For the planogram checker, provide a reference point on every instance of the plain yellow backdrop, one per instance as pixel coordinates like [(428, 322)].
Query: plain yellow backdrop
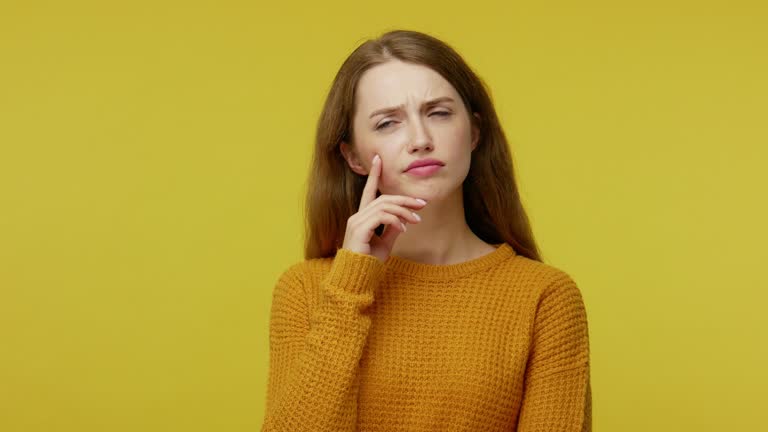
[(152, 165)]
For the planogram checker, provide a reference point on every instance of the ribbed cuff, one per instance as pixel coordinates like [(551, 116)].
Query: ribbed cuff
[(355, 272)]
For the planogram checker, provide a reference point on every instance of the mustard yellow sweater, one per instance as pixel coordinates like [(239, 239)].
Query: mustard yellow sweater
[(497, 343)]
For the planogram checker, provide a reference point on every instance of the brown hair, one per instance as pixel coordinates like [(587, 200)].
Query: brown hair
[(492, 205)]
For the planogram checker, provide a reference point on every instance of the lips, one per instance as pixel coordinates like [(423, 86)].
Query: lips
[(424, 162)]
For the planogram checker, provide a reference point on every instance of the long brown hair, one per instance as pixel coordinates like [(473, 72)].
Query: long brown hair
[(492, 205)]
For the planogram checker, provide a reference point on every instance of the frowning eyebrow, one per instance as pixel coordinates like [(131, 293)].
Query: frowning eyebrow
[(426, 104)]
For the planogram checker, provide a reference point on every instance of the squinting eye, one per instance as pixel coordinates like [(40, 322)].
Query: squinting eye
[(388, 122)]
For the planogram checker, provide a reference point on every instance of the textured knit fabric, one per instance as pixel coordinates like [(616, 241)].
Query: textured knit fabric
[(496, 343)]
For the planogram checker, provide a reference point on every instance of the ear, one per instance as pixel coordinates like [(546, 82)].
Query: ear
[(352, 160), (475, 131)]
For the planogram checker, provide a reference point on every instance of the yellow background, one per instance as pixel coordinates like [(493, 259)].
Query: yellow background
[(152, 166)]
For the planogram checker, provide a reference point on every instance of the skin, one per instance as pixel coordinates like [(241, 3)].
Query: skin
[(416, 131)]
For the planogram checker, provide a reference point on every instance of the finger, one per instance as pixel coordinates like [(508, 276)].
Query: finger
[(371, 184), (405, 201), (388, 220), (405, 213), (390, 234), (366, 227), (403, 206)]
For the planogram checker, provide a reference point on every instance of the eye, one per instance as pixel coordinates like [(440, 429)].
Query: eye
[(386, 124), (442, 113)]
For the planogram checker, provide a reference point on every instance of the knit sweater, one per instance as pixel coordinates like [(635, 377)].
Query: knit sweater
[(496, 343)]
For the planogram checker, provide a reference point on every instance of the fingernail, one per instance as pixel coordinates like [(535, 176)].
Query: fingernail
[(404, 228), (418, 218), (421, 200), (376, 158)]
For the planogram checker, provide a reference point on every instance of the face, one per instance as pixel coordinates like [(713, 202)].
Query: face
[(406, 112)]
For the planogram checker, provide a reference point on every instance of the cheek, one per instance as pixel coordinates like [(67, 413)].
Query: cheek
[(366, 154), (456, 132), (388, 178)]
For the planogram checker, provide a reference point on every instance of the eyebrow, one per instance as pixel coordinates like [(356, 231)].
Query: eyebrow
[(427, 103)]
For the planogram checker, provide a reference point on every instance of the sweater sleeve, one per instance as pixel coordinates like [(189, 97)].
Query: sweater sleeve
[(314, 356), (557, 395)]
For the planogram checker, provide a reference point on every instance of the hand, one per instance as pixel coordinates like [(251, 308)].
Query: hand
[(391, 210)]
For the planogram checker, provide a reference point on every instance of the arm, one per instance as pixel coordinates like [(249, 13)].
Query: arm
[(557, 395), (312, 383)]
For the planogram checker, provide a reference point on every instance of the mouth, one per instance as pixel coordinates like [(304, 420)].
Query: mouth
[(424, 170), (424, 162)]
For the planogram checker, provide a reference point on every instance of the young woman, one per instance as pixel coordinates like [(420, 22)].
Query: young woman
[(422, 303)]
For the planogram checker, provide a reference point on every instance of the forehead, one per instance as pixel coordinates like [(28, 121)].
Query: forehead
[(396, 82)]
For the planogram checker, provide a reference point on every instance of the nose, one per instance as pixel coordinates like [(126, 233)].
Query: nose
[(420, 138)]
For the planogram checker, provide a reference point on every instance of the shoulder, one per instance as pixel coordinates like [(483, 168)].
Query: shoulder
[(546, 279), (300, 274)]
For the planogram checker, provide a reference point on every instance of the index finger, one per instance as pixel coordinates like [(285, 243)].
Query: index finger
[(371, 184)]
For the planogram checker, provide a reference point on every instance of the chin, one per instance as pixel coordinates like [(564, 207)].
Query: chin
[(428, 189), (426, 192)]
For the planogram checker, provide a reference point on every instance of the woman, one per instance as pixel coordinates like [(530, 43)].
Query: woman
[(422, 304)]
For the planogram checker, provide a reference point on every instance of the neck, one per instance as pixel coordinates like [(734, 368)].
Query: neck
[(442, 236)]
